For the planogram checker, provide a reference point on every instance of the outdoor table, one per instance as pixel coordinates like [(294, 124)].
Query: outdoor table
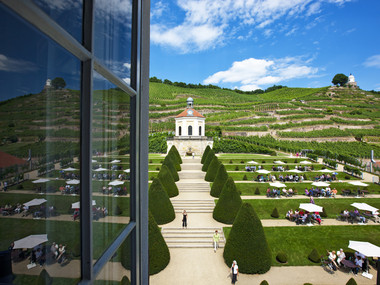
[(348, 263), (364, 192), (346, 192)]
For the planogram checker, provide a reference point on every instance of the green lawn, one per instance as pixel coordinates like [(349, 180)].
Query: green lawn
[(298, 242), (333, 207), (250, 188), (268, 166), (239, 175)]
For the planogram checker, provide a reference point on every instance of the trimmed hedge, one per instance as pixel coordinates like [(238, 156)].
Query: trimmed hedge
[(172, 169), (212, 170), (219, 181), (228, 204), (176, 154), (351, 282), (205, 153), (247, 243), (275, 213), (171, 158), (264, 282), (125, 281), (160, 204), (208, 160), (281, 257), (44, 278), (167, 181), (159, 255), (314, 256)]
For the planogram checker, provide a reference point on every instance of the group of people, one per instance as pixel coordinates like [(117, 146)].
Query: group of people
[(69, 189), (277, 193), (352, 216), (303, 217), (58, 252), (117, 191), (321, 192), (325, 177), (68, 175), (37, 211), (335, 261)]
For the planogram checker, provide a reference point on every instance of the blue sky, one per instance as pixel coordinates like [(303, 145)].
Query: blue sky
[(250, 44)]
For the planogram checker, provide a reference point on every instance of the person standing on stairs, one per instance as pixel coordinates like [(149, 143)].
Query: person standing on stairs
[(216, 238), (184, 219)]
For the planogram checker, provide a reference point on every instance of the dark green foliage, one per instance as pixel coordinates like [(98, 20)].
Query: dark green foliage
[(159, 255), (169, 164), (264, 282), (208, 160), (205, 153), (159, 203), (274, 213), (175, 153), (212, 170), (307, 284), (58, 83), (281, 257), (44, 278), (76, 249), (324, 213), (247, 243), (257, 191), (340, 79), (125, 281), (167, 181), (219, 181), (230, 161), (237, 168), (245, 177), (314, 256), (117, 211), (157, 168), (351, 282), (171, 159), (228, 204)]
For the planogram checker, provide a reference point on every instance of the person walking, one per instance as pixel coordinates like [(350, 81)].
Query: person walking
[(216, 238), (184, 219), (235, 271)]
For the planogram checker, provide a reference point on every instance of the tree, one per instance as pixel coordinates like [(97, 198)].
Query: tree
[(159, 203), (175, 154), (167, 181), (340, 79), (219, 181), (212, 170), (209, 158), (58, 83), (228, 204), (205, 153), (247, 243)]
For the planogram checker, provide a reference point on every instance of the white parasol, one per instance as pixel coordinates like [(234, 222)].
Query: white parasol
[(358, 183), (320, 184), (311, 207), (252, 162), (116, 182), (101, 169), (30, 241), (278, 185), (42, 180), (263, 171), (366, 248), (93, 160), (69, 169), (305, 162), (326, 170), (76, 205), (279, 162), (35, 202), (73, 182), (127, 170), (115, 161), (295, 171), (364, 207)]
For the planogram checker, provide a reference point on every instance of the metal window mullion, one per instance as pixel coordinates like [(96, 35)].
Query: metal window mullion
[(86, 149)]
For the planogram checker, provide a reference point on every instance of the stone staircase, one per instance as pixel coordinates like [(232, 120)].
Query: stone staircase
[(193, 187), (193, 206), (191, 237)]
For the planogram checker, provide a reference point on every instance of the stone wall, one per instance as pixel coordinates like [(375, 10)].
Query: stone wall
[(197, 146)]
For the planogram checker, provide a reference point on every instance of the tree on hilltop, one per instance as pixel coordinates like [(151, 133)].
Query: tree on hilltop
[(340, 79), (58, 83)]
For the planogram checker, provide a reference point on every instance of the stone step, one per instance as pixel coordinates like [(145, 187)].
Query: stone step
[(192, 201), (193, 210), (188, 236), (193, 245), (191, 230), (195, 190)]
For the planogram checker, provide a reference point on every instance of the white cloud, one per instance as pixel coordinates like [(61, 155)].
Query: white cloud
[(253, 73), (127, 65), (127, 80), (291, 32), (373, 61), (208, 23), (15, 65)]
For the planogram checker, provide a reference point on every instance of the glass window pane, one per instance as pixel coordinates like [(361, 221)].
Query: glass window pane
[(111, 162), (39, 131), (113, 22), (67, 13)]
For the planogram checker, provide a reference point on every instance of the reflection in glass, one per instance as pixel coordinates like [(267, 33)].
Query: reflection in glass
[(113, 35), (111, 163), (67, 13), (39, 132)]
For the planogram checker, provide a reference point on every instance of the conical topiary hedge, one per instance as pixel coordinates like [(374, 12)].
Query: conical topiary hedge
[(314, 256), (125, 281), (247, 243), (44, 278), (205, 153), (171, 158), (212, 170), (208, 160), (160, 204), (219, 181), (228, 204), (159, 255), (167, 181), (172, 169), (176, 154), (351, 281)]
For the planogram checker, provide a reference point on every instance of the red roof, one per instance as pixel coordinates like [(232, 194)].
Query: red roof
[(7, 160), (190, 112)]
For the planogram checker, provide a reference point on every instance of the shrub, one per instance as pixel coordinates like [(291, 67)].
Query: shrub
[(264, 282), (307, 284), (168, 182), (219, 181), (237, 168), (246, 242), (150, 161), (125, 281), (152, 177), (323, 214), (159, 255), (241, 161), (263, 161), (347, 177), (245, 177), (172, 169), (159, 203), (281, 257), (44, 278), (205, 153), (212, 169), (208, 160), (351, 282), (76, 249), (173, 150), (170, 158), (20, 186), (257, 191), (230, 161), (157, 168), (228, 204), (314, 256), (117, 211), (275, 213)]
